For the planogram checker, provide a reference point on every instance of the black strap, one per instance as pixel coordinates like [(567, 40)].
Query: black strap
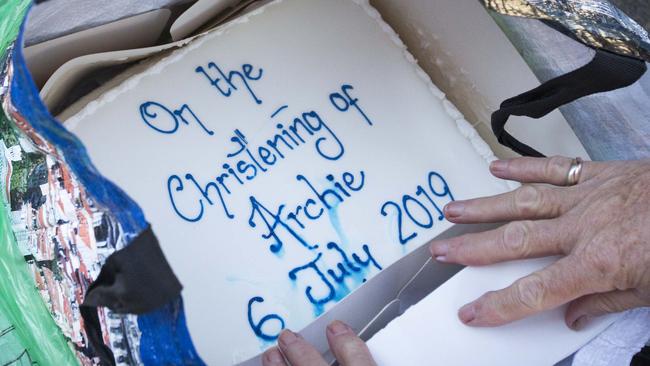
[(134, 280), (606, 71)]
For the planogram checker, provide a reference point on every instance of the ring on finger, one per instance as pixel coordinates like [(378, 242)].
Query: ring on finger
[(573, 176)]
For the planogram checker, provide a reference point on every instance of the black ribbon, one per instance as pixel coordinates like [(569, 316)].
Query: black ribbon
[(134, 280), (605, 72)]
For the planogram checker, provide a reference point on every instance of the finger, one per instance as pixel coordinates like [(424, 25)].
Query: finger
[(557, 284), (527, 202), (273, 357), (541, 170), (515, 240), (582, 310), (297, 351), (349, 349)]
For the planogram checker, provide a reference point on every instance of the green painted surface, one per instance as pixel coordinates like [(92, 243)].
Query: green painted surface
[(11, 15), (28, 334)]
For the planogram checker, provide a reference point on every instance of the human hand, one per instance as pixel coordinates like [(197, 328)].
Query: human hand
[(600, 227), (293, 350)]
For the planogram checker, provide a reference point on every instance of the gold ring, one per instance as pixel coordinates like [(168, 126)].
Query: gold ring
[(573, 176)]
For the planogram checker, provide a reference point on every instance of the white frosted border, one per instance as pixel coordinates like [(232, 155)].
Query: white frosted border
[(159, 66), (464, 127)]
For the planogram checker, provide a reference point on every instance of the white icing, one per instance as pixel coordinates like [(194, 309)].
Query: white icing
[(482, 148), (411, 130)]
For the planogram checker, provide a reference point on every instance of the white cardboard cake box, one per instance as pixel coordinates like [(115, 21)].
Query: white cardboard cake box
[(390, 293)]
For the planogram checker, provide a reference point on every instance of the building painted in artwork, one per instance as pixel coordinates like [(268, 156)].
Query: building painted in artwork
[(65, 241)]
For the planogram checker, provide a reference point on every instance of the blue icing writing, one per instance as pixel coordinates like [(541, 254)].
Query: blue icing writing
[(174, 180), (332, 212), (369, 258), (336, 194), (226, 82), (346, 267), (246, 162), (246, 159), (343, 101), (338, 150), (418, 213), (312, 209), (205, 190), (295, 134), (149, 113), (257, 209), (293, 275), (258, 326), (324, 284), (296, 215), (279, 110)]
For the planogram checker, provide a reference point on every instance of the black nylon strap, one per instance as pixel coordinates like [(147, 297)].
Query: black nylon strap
[(606, 71), (134, 280)]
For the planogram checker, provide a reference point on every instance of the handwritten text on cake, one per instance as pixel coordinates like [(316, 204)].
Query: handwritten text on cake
[(282, 227)]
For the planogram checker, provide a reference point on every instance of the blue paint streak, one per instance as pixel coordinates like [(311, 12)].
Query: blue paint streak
[(165, 337), (333, 215), (357, 277), (25, 98)]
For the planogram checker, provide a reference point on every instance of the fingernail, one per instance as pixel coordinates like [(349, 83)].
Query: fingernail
[(273, 357), (498, 166), (287, 338), (454, 209), (338, 327), (439, 250), (581, 322), (467, 313)]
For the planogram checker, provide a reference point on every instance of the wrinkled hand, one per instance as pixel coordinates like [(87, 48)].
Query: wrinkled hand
[(293, 350), (600, 227)]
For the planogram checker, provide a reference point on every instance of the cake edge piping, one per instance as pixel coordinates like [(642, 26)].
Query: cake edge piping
[(464, 127)]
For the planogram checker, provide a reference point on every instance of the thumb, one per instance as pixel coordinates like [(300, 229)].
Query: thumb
[(348, 348), (583, 309)]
